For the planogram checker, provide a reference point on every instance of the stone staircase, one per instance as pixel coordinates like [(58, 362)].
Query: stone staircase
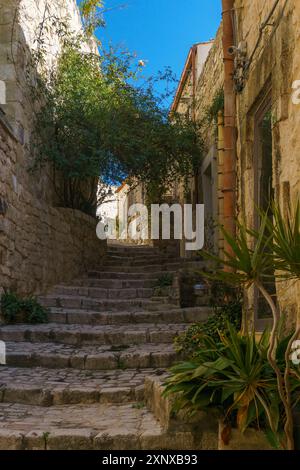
[(78, 382)]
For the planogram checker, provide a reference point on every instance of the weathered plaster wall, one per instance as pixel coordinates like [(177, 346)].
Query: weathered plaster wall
[(276, 64), (39, 245)]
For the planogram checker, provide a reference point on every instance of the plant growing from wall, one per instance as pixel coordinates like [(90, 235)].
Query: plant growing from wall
[(212, 111)]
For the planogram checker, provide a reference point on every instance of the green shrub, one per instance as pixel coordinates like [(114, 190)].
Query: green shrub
[(15, 309), (233, 375), (227, 306)]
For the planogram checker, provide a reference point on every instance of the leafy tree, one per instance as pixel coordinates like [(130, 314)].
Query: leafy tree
[(99, 122)]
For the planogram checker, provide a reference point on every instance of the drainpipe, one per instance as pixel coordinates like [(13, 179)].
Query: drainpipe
[(229, 168)]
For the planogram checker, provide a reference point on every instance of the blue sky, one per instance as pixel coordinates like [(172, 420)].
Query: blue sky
[(160, 31)]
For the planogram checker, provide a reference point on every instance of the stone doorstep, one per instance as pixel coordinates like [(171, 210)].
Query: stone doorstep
[(57, 356), (85, 335), (92, 427), (203, 427)]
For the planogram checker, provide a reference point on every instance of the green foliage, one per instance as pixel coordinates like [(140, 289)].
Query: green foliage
[(233, 376), (247, 261), (257, 253), (98, 123), (285, 232), (253, 257), (217, 105), (165, 280), (92, 15), (15, 309), (227, 306)]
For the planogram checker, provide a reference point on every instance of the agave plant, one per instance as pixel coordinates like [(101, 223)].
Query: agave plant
[(234, 376), (253, 257)]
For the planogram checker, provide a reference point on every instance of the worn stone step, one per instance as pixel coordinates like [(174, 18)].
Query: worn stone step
[(158, 260), (91, 317), (101, 293), (80, 302), (48, 387), (133, 250), (203, 425), (114, 274), (86, 335), (57, 356), (115, 283), (118, 248), (144, 268), (85, 427)]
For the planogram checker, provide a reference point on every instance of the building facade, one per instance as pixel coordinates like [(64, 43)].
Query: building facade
[(253, 155)]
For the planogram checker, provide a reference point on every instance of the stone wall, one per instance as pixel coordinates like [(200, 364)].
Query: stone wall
[(210, 82), (22, 24), (209, 86), (275, 66), (40, 245)]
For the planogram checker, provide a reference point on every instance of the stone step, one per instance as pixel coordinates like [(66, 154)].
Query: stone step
[(48, 387), (91, 317), (101, 293), (57, 356), (144, 268), (138, 255), (203, 425), (110, 261), (132, 249), (114, 283), (85, 427), (80, 302), (86, 335), (113, 274)]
